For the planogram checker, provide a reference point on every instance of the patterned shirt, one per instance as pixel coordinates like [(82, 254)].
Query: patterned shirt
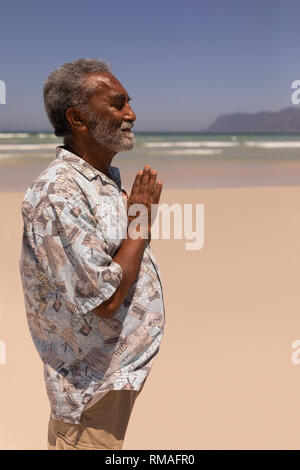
[(75, 220)]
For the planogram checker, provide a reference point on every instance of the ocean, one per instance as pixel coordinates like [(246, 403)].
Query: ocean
[(182, 160)]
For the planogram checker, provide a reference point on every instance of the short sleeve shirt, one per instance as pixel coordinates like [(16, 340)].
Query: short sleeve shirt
[(75, 220)]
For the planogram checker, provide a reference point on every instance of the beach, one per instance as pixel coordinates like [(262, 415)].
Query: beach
[(224, 378), (183, 161)]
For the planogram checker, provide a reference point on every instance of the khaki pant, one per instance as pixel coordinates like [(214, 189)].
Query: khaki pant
[(102, 426)]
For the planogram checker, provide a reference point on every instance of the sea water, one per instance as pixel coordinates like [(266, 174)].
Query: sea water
[(182, 160)]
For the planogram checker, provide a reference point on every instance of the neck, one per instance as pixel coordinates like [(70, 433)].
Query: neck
[(93, 153)]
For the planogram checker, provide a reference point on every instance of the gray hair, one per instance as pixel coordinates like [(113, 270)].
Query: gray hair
[(65, 87)]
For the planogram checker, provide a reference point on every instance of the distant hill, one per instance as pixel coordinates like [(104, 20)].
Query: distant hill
[(286, 120)]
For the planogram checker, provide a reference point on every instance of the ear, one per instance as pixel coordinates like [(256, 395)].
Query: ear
[(76, 119)]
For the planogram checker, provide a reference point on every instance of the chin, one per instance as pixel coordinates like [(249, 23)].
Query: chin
[(125, 145)]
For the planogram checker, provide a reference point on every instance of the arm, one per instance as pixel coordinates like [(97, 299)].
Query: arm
[(130, 253), (129, 257)]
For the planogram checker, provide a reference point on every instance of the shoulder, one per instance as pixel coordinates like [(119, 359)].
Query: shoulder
[(58, 179), (58, 182)]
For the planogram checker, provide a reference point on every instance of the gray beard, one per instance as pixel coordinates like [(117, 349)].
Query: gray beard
[(108, 135)]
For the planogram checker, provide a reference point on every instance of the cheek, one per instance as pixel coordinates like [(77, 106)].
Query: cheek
[(111, 115), (115, 116), (116, 122)]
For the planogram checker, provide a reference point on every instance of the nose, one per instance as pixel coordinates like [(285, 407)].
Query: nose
[(129, 114)]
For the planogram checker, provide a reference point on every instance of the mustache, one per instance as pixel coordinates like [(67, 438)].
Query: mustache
[(126, 127), (96, 121)]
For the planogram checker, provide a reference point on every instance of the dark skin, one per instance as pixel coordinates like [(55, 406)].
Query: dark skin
[(110, 101)]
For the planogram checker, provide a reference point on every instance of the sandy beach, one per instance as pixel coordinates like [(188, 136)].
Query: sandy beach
[(224, 378)]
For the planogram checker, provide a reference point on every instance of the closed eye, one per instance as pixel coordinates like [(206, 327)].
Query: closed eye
[(120, 100)]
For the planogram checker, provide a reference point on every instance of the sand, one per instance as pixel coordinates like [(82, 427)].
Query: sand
[(224, 378)]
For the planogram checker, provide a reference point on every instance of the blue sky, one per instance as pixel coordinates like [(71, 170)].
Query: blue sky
[(183, 62)]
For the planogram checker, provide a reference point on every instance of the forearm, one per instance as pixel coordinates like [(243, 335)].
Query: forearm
[(129, 257), (130, 254)]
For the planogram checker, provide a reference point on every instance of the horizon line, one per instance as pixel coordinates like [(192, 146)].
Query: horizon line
[(168, 132)]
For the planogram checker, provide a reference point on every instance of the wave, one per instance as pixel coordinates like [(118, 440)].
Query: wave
[(27, 146), (274, 145), (214, 144), (13, 135), (43, 135), (195, 152)]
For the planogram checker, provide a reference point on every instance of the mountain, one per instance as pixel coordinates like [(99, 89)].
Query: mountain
[(286, 120)]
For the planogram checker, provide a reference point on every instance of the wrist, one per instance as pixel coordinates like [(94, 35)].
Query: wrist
[(142, 233)]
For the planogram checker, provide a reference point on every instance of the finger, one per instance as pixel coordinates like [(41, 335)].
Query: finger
[(152, 179), (145, 180), (137, 183), (157, 192)]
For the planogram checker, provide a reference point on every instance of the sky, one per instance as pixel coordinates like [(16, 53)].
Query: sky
[(183, 62)]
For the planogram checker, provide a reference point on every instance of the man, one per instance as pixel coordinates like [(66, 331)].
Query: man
[(93, 294)]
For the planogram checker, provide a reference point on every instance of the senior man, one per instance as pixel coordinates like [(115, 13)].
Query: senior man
[(92, 290)]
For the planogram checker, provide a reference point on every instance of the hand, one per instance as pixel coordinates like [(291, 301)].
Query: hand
[(124, 195), (145, 191)]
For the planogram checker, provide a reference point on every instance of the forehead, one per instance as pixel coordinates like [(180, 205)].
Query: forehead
[(104, 84)]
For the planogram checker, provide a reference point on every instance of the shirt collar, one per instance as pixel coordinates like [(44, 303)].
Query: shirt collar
[(88, 170)]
